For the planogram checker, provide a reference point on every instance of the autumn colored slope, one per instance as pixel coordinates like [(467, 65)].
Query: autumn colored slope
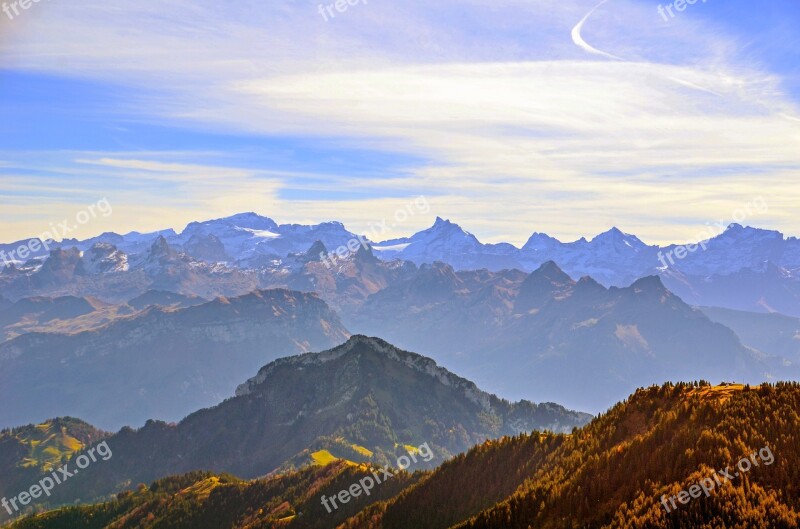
[(613, 473), (610, 474)]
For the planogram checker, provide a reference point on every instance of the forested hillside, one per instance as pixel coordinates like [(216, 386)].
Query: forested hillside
[(612, 473)]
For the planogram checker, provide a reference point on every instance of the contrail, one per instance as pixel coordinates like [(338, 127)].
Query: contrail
[(578, 39)]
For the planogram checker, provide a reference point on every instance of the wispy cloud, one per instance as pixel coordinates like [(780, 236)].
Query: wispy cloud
[(508, 106)]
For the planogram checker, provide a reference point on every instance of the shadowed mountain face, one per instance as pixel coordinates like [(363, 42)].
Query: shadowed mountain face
[(545, 334), (365, 400), (163, 298), (30, 313), (765, 288), (773, 334), (617, 472), (342, 283), (448, 311), (159, 363)]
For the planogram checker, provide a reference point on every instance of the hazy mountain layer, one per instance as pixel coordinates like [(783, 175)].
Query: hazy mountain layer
[(365, 401), (774, 334), (159, 363), (547, 336)]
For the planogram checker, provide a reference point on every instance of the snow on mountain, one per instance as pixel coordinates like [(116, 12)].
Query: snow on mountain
[(613, 258), (298, 238), (540, 243), (130, 243), (253, 241), (448, 242), (104, 258), (738, 248), (9, 252), (247, 240), (444, 237), (240, 235)]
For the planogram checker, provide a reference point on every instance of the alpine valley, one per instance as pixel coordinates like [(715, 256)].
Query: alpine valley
[(240, 371)]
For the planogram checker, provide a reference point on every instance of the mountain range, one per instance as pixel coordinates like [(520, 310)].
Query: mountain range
[(541, 336), (742, 268), (575, 342)]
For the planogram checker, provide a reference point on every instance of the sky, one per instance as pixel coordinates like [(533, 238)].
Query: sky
[(510, 117)]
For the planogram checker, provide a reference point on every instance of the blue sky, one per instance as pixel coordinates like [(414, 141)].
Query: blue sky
[(503, 114)]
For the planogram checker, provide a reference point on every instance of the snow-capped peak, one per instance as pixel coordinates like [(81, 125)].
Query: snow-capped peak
[(616, 236)]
